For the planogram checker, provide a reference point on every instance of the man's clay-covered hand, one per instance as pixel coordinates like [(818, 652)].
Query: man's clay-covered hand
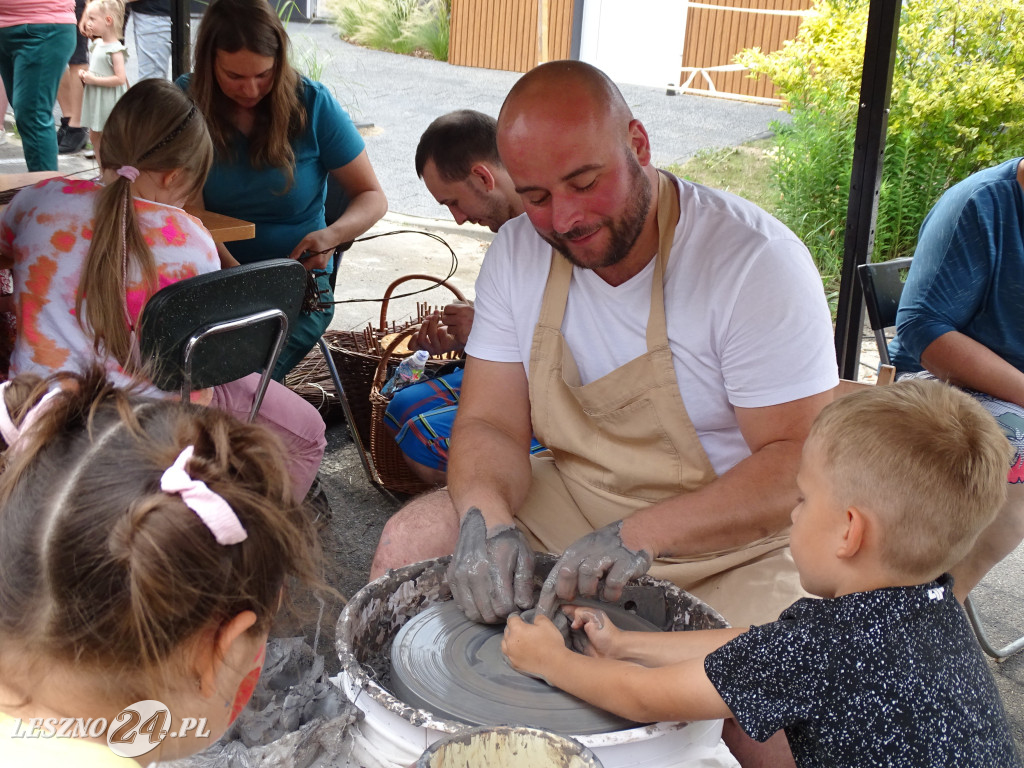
[(597, 564), (491, 573)]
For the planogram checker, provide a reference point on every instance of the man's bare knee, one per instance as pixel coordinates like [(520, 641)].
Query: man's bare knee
[(425, 528)]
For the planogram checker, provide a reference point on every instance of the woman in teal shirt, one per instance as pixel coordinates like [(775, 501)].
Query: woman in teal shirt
[(277, 135)]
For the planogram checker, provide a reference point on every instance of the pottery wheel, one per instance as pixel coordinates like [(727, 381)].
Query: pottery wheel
[(446, 664)]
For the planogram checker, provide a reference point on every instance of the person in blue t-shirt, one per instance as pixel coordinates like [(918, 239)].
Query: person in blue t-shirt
[(277, 135), (961, 319)]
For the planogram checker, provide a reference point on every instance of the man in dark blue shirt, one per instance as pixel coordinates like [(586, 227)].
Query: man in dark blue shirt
[(961, 320)]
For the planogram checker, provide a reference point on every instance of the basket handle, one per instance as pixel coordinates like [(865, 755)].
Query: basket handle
[(391, 288), (382, 366)]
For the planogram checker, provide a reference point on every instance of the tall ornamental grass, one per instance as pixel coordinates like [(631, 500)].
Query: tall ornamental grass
[(401, 26), (428, 28), (957, 107)]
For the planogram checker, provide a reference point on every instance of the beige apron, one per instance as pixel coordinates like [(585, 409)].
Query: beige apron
[(625, 441)]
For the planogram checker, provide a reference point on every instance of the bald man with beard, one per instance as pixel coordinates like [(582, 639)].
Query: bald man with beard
[(669, 343)]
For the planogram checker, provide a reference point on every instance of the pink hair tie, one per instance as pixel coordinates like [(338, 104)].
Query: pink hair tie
[(129, 172), (210, 507), (10, 432)]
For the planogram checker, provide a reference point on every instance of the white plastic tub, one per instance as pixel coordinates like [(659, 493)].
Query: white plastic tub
[(507, 746)]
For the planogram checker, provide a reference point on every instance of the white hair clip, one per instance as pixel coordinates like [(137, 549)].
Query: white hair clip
[(8, 430), (216, 514)]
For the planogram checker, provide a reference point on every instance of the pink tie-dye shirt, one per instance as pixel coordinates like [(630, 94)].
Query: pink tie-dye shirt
[(44, 237)]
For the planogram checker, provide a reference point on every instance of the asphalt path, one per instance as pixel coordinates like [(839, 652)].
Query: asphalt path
[(401, 95), (396, 97)]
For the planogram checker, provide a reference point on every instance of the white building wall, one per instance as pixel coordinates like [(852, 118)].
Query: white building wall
[(635, 41)]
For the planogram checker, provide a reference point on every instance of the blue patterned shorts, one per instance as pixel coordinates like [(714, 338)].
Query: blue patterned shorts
[(420, 417)]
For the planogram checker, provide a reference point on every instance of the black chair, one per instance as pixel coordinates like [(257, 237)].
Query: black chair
[(218, 327), (882, 284)]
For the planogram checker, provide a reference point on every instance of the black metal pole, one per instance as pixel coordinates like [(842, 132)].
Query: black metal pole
[(869, 147), (181, 38)]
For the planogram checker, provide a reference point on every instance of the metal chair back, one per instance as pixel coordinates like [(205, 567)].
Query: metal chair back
[(218, 327), (882, 284)]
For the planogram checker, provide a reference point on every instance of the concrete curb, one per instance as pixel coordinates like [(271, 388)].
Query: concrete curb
[(447, 226)]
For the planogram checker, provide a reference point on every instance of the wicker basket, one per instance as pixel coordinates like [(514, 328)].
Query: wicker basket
[(311, 380), (357, 355), (388, 461)]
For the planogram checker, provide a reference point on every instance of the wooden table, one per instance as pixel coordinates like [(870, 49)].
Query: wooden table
[(11, 181), (224, 228)]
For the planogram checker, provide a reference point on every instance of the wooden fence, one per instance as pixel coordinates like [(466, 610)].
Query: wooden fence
[(716, 30), (503, 34)]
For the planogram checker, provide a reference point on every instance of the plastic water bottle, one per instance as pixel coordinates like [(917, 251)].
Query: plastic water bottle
[(409, 372)]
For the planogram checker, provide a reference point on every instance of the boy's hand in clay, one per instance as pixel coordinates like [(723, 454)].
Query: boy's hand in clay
[(560, 620), (596, 564), (491, 573), (532, 648), (598, 636)]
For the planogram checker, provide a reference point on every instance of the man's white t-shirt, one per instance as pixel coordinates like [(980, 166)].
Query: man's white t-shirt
[(747, 319)]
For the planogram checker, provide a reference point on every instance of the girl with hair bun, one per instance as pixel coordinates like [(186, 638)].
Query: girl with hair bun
[(86, 258), (144, 547)]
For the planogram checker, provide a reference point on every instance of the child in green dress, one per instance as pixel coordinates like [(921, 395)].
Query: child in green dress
[(105, 80)]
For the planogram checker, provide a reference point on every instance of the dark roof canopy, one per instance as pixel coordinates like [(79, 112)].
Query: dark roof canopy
[(869, 147)]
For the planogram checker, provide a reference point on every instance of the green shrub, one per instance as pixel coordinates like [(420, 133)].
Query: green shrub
[(402, 26), (382, 25), (957, 107), (307, 58), (285, 9)]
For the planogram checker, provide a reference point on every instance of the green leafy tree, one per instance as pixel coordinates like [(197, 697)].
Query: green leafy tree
[(957, 107)]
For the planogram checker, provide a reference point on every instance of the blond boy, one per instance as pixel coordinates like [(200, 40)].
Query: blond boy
[(896, 484)]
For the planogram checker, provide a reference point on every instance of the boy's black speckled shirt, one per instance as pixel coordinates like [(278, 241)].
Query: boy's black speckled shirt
[(890, 677)]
